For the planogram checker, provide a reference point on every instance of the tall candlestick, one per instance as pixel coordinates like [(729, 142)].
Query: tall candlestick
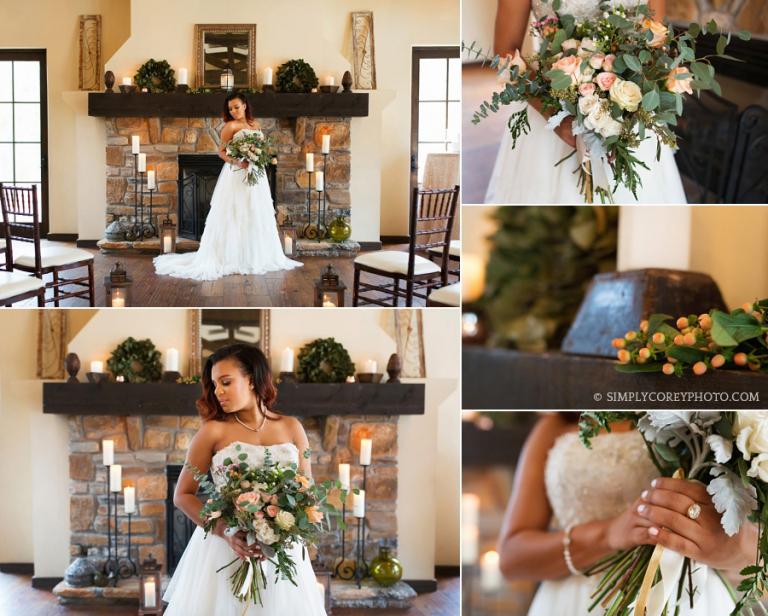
[(310, 162), (358, 504), (267, 77), (151, 183), (142, 162), (286, 360), (366, 445), (97, 366), (135, 144), (108, 452), (344, 476), (115, 478), (326, 144), (129, 494), (182, 80), (319, 181)]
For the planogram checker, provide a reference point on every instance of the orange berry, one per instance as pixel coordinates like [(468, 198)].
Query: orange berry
[(754, 366), (668, 369), (717, 361), (682, 322), (641, 360), (740, 359), (671, 360), (644, 353), (699, 368), (618, 343), (643, 326), (624, 356), (679, 340), (747, 307), (659, 338), (705, 322), (630, 336), (689, 339)]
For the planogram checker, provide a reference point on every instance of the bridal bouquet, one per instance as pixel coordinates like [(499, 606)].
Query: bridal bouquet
[(254, 148), (727, 451), (621, 77), (704, 342), (275, 506)]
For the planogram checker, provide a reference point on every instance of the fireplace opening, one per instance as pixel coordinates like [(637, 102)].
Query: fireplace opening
[(178, 527)]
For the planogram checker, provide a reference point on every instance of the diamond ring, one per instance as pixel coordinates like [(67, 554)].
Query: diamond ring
[(694, 511)]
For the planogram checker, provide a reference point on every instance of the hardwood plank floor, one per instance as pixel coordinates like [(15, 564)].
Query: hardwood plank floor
[(17, 598), (286, 288)]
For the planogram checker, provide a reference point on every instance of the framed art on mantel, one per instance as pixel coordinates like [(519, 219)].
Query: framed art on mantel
[(222, 46)]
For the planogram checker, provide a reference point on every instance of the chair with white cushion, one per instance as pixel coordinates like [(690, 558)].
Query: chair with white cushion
[(28, 253), (431, 222), (446, 296), (18, 286), (454, 256)]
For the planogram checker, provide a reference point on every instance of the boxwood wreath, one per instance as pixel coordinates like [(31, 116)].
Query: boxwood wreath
[(137, 360), (324, 361), (156, 76), (296, 76)]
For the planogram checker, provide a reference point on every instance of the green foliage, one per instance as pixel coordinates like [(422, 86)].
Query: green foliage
[(137, 360), (296, 76), (324, 361), (155, 75)]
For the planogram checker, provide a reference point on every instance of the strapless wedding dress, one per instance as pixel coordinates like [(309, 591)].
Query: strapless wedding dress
[(527, 174), (197, 590), (594, 484), (240, 235)]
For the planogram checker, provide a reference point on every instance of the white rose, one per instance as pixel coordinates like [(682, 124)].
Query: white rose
[(257, 151), (587, 47), (626, 94), (752, 432), (759, 467), (610, 128), (588, 103), (264, 532), (285, 519), (570, 44)]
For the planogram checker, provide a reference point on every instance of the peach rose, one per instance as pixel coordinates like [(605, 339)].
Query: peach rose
[(266, 497), (272, 510), (313, 515), (608, 62), (605, 80), (570, 44), (659, 31), (585, 89), (570, 66), (246, 499), (304, 481), (596, 61), (678, 86)]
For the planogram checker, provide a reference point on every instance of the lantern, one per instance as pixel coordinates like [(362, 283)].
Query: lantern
[(117, 285), (324, 586), (288, 237), (227, 79), (150, 591), (167, 236), (329, 290)]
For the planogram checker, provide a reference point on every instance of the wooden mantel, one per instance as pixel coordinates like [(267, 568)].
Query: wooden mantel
[(271, 105), (297, 399)]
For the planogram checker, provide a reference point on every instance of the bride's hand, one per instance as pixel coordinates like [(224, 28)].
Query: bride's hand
[(239, 545), (243, 164), (665, 506), (627, 529), (565, 131)]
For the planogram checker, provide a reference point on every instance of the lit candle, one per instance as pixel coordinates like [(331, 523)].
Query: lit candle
[(330, 81), (267, 77), (149, 594), (151, 185), (470, 508), (366, 445), (142, 162), (135, 144), (172, 360), (473, 278), (310, 160), (129, 494), (319, 181), (358, 504), (288, 244), (127, 81), (371, 366), (344, 476), (350, 379), (108, 451), (670, 228), (286, 360), (117, 302), (97, 366), (115, 478), (183, 77), (490, 573), (327, 303), (326, 144), (167, 244), (120, 378)]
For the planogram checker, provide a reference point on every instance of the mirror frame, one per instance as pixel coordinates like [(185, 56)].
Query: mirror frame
[(201, 29), (195, 352)]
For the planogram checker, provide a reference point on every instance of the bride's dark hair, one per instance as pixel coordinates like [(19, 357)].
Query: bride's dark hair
[(227, 116), (253, 364)]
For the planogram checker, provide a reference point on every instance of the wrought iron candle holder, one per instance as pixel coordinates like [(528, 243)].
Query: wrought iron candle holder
[(150, 230), (341, 570), (116, 567), (140, 230), (309, 203), (359, 571), (321, 230), (361, 567)]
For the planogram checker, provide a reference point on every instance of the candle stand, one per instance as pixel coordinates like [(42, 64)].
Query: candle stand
[(116, 567)]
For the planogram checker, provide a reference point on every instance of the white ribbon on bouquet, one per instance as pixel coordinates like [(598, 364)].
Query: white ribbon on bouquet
[(248, 578), (670, 570)]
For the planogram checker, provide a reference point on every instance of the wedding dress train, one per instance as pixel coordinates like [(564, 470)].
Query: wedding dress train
[(240, 235), (197, 590), (594, 484)]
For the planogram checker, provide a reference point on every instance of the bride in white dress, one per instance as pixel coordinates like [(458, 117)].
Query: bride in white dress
[(235, 406), (527, 174), (603, 500), (240, 235)]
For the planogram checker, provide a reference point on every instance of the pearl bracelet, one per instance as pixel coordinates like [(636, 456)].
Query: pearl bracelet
[(567, 551)]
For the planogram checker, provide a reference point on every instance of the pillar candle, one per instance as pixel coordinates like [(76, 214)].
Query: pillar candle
[(182, 81), (366, 445), (135, 144), (150, 600), (344, 476), (97, 366), (115, 478), (167, 244), (286, 360), (473, 277), (171, 360), (670, 228), (319, 183), (267, 77), (326, 144), (310, 160), (117, 302), (490, 574), (370, 366), (358, 504), (127, 81), (108, 451), (129, 495), (469, 544), (330, 80), (142, 162), (288, 244), (151, 184), (327, 302)]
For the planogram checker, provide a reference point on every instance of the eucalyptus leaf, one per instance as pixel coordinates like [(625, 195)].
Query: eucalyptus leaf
[(651, 100), (633, 63), (686, 355)]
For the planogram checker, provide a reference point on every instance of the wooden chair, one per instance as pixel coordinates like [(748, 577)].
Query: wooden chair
[(17, 286), (28, 253), (431, 222), (446, 296)]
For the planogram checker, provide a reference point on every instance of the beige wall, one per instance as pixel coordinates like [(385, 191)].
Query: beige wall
[(477, 22), (319, 32), (39, 479)]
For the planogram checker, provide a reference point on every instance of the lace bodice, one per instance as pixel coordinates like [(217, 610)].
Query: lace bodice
[(580, 9), (594, 484), (282, 453)]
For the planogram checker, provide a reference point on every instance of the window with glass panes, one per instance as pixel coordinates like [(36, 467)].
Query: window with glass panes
[(22, 122)]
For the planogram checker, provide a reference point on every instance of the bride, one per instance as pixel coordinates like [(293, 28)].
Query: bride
[(236, 409), (571, 506), (240, 235), (527, 174)]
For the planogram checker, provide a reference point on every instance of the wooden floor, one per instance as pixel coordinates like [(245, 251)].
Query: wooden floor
[(18, 598), (287, 288)]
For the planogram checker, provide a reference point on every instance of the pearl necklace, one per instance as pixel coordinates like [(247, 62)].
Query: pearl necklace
[(247, 427)]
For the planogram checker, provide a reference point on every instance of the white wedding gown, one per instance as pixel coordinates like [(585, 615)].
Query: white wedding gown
[(594, 484), (527, 174), (197, 590), (240, 235)]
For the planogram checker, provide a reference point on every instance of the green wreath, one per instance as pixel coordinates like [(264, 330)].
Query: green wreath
[(137, 360), (324, 361), (296, 76), (155, 76)]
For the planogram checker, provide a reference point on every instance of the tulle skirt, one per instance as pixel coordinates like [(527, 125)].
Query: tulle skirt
[(197, 590), (240, 235), (527, 174)]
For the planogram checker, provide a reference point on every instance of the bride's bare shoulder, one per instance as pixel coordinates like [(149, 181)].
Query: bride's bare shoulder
[(229, 129), (549, 428)]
